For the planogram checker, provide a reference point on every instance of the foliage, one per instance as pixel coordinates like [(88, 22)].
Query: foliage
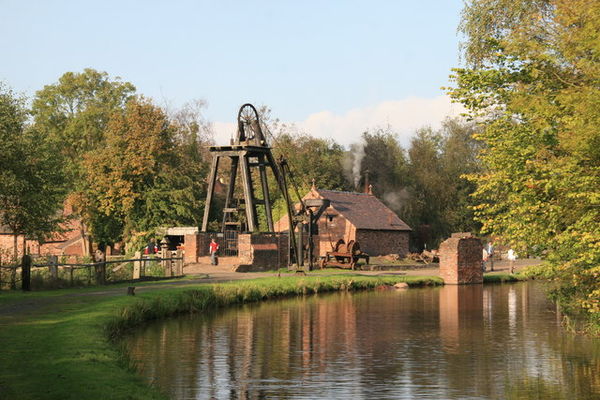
[(141, 179), (380, 154), (30, 173), (73, 115), (533, 81), (438, 197), (74, 112)]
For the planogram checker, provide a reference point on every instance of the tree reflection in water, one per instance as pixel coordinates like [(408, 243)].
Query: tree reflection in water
[(494, 341)]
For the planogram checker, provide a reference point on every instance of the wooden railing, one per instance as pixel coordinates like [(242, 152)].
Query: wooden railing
[(171, 265)]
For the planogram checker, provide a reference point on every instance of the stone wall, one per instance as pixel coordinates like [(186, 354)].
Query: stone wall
[(378, 243), (461, 259)]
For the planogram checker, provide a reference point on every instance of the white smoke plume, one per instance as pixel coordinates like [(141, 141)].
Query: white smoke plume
[(396, 200), (358, 153)]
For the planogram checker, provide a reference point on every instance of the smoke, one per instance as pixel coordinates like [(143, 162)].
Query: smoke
[(396, 200), (352, 164)]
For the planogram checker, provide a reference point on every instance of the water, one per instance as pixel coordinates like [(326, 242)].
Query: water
[(469, 342)]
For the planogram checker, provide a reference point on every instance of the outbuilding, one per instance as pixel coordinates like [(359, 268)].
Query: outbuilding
[(361, 217)]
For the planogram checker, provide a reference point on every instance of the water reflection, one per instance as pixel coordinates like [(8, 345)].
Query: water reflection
[(499, 341)]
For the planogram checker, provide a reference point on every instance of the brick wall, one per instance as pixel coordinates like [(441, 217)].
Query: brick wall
[(196, 245), (378, 243), (460, 260), (262, 251)]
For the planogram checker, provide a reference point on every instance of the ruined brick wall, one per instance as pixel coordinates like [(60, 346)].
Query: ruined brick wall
[(378, 243), (245, 248), (460, 259), (262, 251)]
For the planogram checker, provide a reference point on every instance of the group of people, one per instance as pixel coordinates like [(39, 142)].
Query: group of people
[(488, 257), (213, 249)]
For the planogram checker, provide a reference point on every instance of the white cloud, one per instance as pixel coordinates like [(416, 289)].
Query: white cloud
[(403, 116)]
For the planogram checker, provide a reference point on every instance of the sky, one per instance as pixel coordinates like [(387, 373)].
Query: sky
[(333, 68)]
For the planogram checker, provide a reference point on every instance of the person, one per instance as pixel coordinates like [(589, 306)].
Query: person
[(151, 248), (485, 259), (490, 251), (213, 248), (512, 256)]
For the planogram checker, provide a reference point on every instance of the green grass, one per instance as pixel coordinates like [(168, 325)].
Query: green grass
[(63, 349), (504, 277)]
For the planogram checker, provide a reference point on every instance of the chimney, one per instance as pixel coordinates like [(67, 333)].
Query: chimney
[(367, 188)]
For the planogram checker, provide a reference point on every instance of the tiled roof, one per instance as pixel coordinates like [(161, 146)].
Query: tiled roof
[(364, 211)]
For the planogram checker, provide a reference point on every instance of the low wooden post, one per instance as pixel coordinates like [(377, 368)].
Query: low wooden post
[(179, 262), (26, 273), (101, 270), (71, 275), (137, 265)]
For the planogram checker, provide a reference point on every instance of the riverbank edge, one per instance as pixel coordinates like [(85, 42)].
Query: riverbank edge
[(69, 348), (242, 292)]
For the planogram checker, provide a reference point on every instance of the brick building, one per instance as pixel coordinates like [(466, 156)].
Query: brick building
[(69, 242), (361, 217)]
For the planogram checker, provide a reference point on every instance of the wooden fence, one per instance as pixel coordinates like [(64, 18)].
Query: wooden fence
[(169, 263)]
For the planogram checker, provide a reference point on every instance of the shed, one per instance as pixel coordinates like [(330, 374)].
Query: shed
[(357, 216)]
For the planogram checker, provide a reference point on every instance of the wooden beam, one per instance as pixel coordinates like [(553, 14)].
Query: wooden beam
[(210, 190), (231, 187), (248, 194), (265, 190)]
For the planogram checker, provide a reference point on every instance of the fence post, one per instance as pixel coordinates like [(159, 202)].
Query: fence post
[(137, 265), (53, 267), (101, 270), (26, 273), (166, 264), (179, 262)]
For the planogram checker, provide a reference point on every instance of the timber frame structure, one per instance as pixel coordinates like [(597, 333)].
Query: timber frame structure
[(248, 151)]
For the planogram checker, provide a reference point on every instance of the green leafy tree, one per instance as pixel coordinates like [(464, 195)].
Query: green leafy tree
[(73, 114), (532, 79), (385, 161), (439, 195), (30, 175)]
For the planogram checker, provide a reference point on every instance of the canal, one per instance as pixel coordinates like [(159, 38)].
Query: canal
[(454, 342)]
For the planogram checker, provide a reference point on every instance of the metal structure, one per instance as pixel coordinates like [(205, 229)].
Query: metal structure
[(344, 255)]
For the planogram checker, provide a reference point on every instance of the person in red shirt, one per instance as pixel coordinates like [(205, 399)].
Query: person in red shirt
[(213, 248)]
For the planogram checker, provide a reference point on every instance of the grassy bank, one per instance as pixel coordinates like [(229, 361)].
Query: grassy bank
[(60, 348)]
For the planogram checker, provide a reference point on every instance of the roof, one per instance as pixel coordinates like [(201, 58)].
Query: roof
[(364, 211)]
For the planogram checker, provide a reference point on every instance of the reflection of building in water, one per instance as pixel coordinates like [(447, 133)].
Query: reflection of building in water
[(461, 307)]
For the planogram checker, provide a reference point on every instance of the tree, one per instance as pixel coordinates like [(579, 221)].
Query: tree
[(73, 114), (439, 195), (30, 175), (140, 177), (532, 78), (385, 161)]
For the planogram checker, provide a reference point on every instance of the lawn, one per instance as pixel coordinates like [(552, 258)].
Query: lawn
[(57, 344)]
